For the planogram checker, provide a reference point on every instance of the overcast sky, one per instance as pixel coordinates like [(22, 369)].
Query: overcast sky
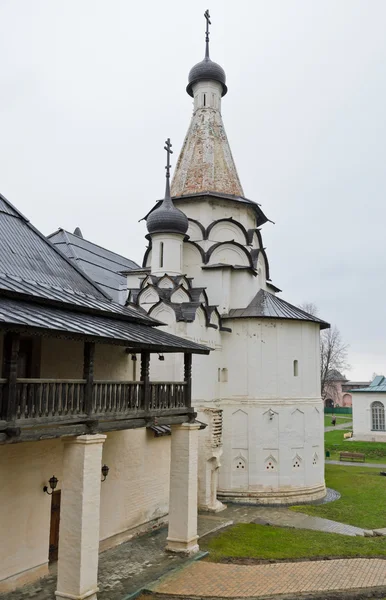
[(90, 89)]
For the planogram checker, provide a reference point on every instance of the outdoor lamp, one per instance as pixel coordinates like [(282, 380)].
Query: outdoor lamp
[(53, 483), (161, 357), (105, 472)]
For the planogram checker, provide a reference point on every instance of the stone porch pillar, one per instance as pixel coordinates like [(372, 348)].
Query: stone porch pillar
[(182, 533), (79, 518)]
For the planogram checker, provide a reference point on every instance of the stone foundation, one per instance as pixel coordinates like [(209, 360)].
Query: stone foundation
[(281, 497)]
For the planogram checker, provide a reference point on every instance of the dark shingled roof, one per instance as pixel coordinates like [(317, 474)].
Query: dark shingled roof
[(101, 265), (266, 305), (17, 315), (41, 289)]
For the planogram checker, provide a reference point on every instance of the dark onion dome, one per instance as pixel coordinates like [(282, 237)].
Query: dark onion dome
[(167, 219), (204, 70)]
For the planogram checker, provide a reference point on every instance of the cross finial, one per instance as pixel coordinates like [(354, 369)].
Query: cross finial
[(208, 22), (169, 151)]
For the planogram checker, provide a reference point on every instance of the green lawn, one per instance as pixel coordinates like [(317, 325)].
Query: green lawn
[(248, 540), (339, 420), (335, 443), (363, 501)]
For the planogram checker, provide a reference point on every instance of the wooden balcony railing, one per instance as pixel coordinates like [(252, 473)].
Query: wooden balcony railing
[(165, 395), (65, 399)]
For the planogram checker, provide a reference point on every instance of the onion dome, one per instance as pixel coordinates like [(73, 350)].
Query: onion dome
[(167, 218), (206, 69)]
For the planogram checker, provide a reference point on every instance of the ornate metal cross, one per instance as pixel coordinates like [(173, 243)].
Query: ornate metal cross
[(169, 151), (208, 22)]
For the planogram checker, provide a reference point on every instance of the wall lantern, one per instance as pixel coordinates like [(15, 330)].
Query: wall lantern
[(133, 357), (161, 357), (105, 472), (271, 414), (53, 483)]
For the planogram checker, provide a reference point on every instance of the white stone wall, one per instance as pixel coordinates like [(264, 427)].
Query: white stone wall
[(273, 418), (361, 412), (135, 493)]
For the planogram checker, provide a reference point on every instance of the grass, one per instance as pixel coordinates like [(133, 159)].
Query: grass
[(248, 540), (374, 451), (339, 420), (363, 501)]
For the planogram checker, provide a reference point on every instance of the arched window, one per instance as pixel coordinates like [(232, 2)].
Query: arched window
[(377, 416), (161, 254)]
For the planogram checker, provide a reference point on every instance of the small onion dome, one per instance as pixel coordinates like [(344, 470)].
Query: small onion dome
[(167, 219), (204, 70)]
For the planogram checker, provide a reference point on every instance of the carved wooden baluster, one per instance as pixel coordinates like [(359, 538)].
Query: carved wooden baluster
[(11, 355), (188, 379), (145, 378), (88, 375)]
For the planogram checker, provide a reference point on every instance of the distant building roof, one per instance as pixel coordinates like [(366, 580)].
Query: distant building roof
[(266, 305), (335, 375), (377, 385), (101, 265)]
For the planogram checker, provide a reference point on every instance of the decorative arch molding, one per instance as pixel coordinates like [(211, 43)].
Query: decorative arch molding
[(148, 295), (200, 227), (146, 256), (255, 254), (243, 250), (227, 220), (297, 462), (161, 308), (198, 247), (166, 279), (179, 295)]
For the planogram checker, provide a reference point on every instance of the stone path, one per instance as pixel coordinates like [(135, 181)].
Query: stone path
[(243, 581), (355, 464), (126, 568), (135, 564), (346, 425), (283, 517)]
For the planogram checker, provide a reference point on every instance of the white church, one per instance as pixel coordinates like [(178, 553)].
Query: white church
[(221, 403), (206, 276)]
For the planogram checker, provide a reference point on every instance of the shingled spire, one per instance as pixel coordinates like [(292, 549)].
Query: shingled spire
[(206, 163)]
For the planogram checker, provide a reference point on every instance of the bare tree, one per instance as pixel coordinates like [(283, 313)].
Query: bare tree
[(333, 357), (333, 353)]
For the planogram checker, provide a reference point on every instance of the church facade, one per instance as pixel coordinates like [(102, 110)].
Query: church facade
[(205, 274)]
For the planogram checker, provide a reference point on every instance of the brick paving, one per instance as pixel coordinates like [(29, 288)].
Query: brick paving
[(243, 581)]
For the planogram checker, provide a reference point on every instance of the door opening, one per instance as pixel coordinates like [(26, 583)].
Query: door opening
[(54, 526)]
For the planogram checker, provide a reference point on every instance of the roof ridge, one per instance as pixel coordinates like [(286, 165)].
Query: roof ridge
[(12, 207), (93, 243)]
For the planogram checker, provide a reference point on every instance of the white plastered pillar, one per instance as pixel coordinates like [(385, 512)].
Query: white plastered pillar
[(79, 518), (182, 533)]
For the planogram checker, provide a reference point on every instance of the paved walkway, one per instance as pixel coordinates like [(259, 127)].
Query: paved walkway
[(346, 425), (355, 464), (142, 560), (243, 581)]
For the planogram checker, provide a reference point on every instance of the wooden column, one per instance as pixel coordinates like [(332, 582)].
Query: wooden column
[(11, 355), (188, 379), (88, 375), (145, 378)]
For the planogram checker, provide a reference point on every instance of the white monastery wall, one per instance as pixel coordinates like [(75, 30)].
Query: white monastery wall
[(25, 516), (362, 419), (63, 359), (136, 490), (273, 413), (135, 493), (260, 358)]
